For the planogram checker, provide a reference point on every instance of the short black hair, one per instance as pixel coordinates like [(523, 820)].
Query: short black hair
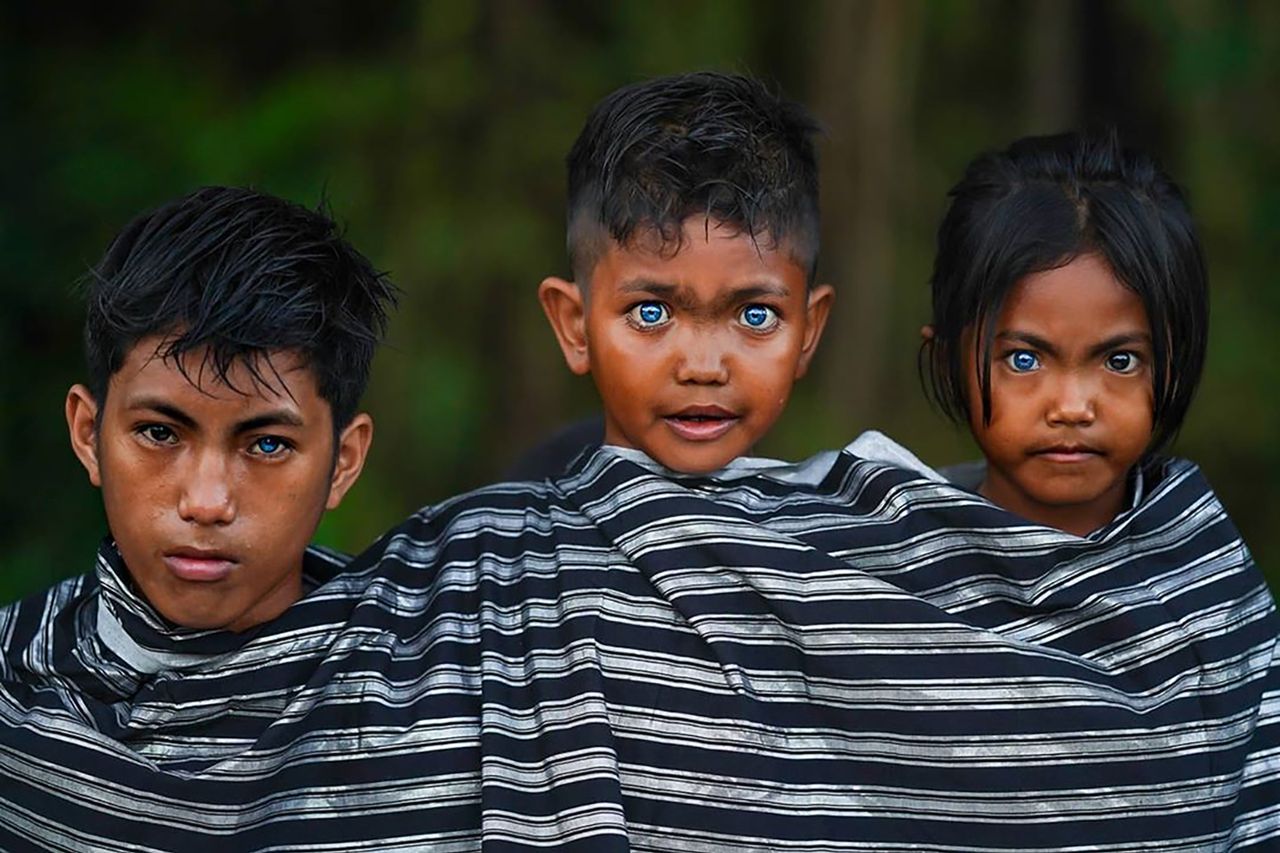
[(240, 274), (1036, 206), (724, 146)]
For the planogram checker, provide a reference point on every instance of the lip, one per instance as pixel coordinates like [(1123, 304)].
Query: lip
[(701, 422), (1067, 454), (199, 565)]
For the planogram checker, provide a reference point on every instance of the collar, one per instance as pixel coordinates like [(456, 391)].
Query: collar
[(147, 642), (809, 472)]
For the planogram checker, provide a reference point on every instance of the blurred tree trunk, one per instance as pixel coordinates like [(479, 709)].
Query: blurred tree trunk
[(861, 91), (1053, 66), (532, 385)]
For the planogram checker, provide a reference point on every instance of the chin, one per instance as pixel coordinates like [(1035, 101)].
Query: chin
[(1065, 488), (194, 621), (689, 463), (186, 616)]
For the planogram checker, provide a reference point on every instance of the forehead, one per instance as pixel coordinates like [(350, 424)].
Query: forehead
[(279, 379), (707, 254), (1081, 295)]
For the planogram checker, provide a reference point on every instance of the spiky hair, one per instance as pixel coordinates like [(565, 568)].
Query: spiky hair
[(721, 146), (238, 274)]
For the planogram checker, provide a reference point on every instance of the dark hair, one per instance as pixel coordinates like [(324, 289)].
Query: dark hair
[(1038, 205), (724, 146), (240, 274)]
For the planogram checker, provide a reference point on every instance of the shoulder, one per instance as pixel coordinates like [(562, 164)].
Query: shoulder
[(40, 619), (501, 519), (875, 446)]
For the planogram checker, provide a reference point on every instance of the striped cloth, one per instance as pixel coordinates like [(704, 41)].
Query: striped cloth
[(836, 657)]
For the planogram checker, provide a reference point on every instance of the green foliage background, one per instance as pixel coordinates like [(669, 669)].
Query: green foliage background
[(437, 131)]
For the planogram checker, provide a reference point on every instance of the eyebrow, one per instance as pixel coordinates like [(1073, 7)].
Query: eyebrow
[(1097, 349), (680, 296), (161, 407), (1117, 341), (275, 417)]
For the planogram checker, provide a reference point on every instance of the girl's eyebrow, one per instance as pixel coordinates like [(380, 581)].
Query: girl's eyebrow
[(1029, 339), (1120, 340), (1097, 349)]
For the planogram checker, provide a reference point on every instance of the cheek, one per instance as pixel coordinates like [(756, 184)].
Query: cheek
[(620, 382), (770, 389), (627, 367), (1138, 424), (1132, 408), (1000, 439), (277, 488), (135, 489)]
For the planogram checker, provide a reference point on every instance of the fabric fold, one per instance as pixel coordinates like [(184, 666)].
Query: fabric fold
[(836, 655)]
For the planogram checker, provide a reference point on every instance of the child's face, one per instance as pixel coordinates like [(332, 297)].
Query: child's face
[(1071, 396), (694, 353), (212, 495)]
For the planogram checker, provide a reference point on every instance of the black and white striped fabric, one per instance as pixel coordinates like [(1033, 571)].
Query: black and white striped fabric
[(619, 660)]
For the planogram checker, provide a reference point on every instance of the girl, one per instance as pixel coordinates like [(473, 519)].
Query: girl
[(1070, 317)]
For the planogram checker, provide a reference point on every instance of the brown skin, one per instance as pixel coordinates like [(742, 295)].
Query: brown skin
[(693, 353), (1071, 397), (212, 494)]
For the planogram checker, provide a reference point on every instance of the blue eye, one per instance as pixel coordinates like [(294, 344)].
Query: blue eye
[(1022, 361), (759, 317), (269, 445), (1122, 362), (649, 314)]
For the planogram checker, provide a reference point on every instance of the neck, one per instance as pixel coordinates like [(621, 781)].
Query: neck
[(1078, 519)]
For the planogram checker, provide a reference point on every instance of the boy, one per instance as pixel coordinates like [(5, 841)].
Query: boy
[(693, 238), (228, 338)]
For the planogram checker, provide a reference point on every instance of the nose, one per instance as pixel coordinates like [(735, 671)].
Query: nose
[(702, 358), (205, 495), (1072, 403)]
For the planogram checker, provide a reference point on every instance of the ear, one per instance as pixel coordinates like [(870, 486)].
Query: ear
[(816, 313), (353, 448), (563, 303), (926, 333), (82, 424)]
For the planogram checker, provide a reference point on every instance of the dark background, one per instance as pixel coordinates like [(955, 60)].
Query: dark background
[(438, 129)]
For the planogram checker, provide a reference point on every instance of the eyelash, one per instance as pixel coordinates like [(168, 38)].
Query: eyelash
[(284, 449), (1135, 361), (1008, 359), (634, 318), (147, 433)]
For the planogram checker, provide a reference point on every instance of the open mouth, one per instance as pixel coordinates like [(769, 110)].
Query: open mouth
[(701, 423)]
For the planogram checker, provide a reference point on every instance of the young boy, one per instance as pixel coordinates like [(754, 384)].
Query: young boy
[(693, 237), (229, 336)]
